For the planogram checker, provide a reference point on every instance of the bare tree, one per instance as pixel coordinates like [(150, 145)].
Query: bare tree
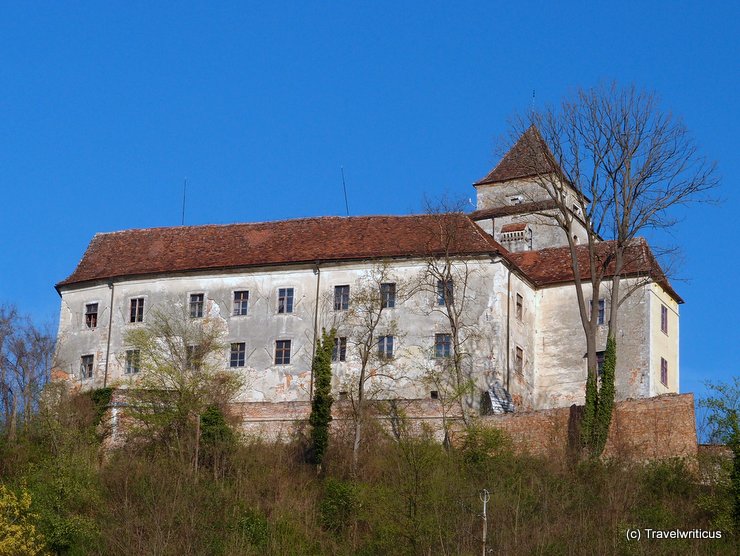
[(362, 316), (26, 357), (447, 277), (614, 165)]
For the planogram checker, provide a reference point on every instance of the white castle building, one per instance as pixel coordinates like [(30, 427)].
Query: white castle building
[(274, 285)]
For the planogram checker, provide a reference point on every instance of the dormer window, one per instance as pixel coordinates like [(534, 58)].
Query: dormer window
[(513, 232)]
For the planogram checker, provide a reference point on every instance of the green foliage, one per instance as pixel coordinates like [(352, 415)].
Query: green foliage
[(724, 423), (322, 398), (482, 445), (255, 528), (338, 505), (18, 532), (100, 398), (597, 413)]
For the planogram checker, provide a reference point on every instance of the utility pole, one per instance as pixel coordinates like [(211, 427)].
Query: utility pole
[(485, 496)]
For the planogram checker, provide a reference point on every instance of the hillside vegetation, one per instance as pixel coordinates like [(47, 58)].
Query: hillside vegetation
[(60, 493)]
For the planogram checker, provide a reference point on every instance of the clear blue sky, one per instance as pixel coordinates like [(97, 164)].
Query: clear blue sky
[(104, 111)]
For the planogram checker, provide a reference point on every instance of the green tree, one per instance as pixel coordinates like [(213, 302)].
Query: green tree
[(724, 427), (322, 398), (178, 372)]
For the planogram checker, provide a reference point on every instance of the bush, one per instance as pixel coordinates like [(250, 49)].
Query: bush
[(338, 505)]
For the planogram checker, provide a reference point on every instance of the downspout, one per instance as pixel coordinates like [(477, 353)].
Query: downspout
[(317, 272), (508, 329), (110, 326)]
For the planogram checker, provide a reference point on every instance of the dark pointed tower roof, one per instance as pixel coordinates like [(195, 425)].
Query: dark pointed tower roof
[(530, 156)]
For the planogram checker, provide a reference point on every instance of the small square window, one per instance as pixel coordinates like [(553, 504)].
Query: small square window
[(663, 372), (282, 352), (385, 347), (91, 315), (340, 349), (519, 360), (341, 298), (196, 305), (388, 295), (238, 354), (434, 394), (86, 366), (133, 361), (445, 292), (137, 309), (664, 319), (519, 307), (442, 345), (285, 300), (241, 303)]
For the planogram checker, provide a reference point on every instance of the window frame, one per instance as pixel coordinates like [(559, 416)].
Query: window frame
[(283, 351), (132, 362), (339, 353), (445, 289), (519, 360), (664, 372), (237, 355), (341, 297), (286, 300), (136, 315), (385, 347), (442, 345), (388, 295), (664, 319), (601, 314), (519, 307), (87, 370), (199, 305), (88, 314), (239, 305)]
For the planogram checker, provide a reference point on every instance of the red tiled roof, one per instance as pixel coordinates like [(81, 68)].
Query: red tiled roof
[(188, 248), (530, 156), (553, 266), (510, 210), (518, 227)]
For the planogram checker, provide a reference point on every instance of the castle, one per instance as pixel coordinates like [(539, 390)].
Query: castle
[(274, 285)]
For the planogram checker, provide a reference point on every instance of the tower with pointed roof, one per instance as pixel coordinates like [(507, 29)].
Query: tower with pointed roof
[(512, 204)]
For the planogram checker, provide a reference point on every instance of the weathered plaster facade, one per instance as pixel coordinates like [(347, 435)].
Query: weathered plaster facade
[(518, 332)]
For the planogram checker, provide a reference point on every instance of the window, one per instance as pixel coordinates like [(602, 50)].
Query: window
[(601, 317), (192, 358), (444, 292), (238, 354), (388, 295), (434, 394), (91, 315), (133, 361), (664, 372), (241, 301), (282, 352), (664, 319), (137, 309), (442, 345), (341, 298), (86, 366), (285, 300), (516, 200), (196, 305), (519, 360), (340, 349), (385, 347), (519, 307), (600, 363)]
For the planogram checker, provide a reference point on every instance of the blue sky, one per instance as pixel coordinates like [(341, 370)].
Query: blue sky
[(104, 110)]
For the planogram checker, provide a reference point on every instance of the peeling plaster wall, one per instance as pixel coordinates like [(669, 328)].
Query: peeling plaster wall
[(417, 319), (561, 345), (500, 194)]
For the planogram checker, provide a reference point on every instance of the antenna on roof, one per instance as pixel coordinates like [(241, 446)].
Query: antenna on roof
[(184, 189), (344, 186), (533, 95)]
